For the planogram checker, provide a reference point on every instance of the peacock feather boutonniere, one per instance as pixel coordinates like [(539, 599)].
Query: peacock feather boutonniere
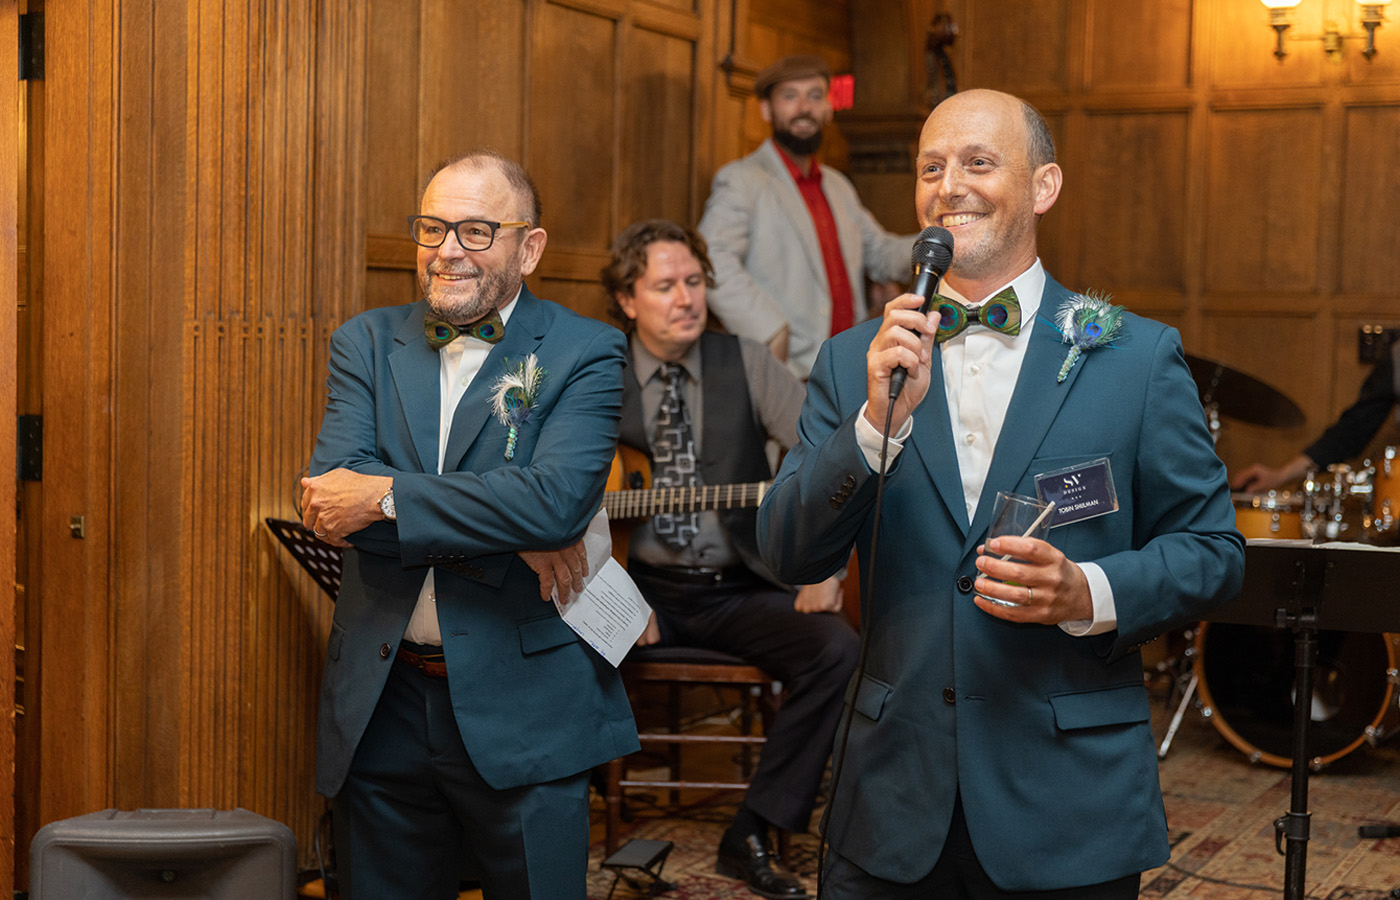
[(1087, 321), (514, 397)]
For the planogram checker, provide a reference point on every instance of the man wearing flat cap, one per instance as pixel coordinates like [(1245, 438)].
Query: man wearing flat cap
[(790, 241)]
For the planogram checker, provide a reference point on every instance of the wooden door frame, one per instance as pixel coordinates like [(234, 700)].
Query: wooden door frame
[(9, 379)]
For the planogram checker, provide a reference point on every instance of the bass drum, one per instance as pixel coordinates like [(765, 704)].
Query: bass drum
[(1246, 675)]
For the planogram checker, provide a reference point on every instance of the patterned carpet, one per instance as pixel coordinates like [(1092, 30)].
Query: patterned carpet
[(1220, 809)]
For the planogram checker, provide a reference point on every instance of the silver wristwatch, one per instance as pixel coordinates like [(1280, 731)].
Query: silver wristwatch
[(386, 505)]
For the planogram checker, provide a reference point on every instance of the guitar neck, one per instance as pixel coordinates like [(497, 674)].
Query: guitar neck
[(641, 504)]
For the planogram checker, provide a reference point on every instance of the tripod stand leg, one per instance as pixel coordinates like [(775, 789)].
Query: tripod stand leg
[(1186, 696)]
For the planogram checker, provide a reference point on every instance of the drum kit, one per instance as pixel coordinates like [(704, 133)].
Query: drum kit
[(1245, 674)]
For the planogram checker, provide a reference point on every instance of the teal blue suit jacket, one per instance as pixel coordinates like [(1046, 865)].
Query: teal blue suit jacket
[(533, 702), (1045, 735)]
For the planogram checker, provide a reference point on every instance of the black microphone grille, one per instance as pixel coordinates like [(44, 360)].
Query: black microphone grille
[(934, 247)]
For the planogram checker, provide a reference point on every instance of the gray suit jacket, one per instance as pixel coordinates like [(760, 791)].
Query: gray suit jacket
[(768, 263)]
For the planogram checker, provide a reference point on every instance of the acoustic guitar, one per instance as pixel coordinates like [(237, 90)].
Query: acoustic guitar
[(629, 497)]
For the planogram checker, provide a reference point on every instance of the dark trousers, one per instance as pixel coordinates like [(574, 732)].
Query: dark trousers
[(958, 875), (414, 804), (812, 654)]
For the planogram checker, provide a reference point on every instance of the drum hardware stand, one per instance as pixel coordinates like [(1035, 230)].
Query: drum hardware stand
[(1184, 685)]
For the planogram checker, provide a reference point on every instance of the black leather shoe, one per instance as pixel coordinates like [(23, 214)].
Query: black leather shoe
[(749, 857)]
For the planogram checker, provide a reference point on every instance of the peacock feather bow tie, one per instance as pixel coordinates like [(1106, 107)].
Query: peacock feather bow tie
[(488, 328), (1000, 313)]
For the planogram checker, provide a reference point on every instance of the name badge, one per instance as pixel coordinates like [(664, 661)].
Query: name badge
[(1079, 492)]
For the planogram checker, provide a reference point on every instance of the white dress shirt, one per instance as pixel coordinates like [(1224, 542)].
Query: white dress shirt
[(980, 369), (461, 360)]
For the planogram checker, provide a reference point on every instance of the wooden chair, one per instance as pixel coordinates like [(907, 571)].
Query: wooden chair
[(678, 668)]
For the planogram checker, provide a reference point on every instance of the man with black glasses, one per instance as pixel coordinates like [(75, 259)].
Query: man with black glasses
[(467, 439)]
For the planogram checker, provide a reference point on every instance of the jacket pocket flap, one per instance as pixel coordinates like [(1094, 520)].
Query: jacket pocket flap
[(543, 633), (870, 697), (1089, 709)]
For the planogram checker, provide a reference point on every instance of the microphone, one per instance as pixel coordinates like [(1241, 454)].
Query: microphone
[(933, 253)]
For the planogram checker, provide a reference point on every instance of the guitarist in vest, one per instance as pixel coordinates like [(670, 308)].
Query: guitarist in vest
[(703, 406)]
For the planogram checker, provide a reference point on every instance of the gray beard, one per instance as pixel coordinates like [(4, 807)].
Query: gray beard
[(493, 290)]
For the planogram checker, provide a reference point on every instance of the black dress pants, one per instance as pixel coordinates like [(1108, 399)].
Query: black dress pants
[(812, 654)]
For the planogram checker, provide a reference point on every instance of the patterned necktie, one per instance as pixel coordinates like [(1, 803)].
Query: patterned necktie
[(1000, 313), (673, 459), (488, 328)]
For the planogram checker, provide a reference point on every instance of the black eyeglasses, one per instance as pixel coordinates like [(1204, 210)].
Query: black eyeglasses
[(472, 234)]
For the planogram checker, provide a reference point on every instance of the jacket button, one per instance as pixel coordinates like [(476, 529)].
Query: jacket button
[(949, 697), (383, 651), (965, 584)]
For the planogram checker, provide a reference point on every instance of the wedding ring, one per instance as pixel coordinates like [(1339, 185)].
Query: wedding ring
[(1030, 594), (318, 533)]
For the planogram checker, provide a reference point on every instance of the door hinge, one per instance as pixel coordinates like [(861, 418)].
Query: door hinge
[(29, 450), (31, 46)]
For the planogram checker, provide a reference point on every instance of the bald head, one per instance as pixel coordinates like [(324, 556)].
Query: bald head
[(986, 173), (1040, 145), (527, 196)]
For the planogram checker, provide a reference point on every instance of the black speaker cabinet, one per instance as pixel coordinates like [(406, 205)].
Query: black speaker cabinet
[(164, 854)]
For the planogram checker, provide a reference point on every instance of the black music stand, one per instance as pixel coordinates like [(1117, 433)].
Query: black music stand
[(1302, 586), (321, 561)]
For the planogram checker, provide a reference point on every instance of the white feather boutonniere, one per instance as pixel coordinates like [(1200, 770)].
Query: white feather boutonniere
[(514, 396)]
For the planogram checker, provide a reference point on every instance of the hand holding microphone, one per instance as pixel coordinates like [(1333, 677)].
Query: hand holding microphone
[(933, 253)]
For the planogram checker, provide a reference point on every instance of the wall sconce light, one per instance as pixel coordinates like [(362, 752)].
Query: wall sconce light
[(1372, 15)]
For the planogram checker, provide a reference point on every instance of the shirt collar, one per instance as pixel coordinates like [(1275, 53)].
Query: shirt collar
[(647, 363), (814, 176)]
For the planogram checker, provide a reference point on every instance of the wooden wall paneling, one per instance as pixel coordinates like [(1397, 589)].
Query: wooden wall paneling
[(1139, 46), (1016, 46), (1264, 203), (10, 239), (575, 138), (573, 123), (1133, 222), (391, 128), (1368, 261), (76, 733), (153, 252), (472, 72), (657, 125)]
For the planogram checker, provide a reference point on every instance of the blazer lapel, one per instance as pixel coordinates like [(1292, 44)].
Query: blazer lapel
[(413, 365), (524, 332), (794, 206), (933, 431), (1035, 403)]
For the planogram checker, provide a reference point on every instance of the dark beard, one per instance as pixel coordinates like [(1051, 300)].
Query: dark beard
[(798, 146)]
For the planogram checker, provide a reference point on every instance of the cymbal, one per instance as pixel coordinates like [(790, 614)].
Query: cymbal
[(1240, 396)]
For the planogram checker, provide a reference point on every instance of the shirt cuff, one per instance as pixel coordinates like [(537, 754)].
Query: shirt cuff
[(1105, 612), (869, 439)]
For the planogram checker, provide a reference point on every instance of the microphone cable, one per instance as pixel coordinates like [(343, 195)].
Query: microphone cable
[(932, 255), (845, 728)]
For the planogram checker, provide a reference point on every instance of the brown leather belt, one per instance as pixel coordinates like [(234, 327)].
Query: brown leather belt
[(433, 664)]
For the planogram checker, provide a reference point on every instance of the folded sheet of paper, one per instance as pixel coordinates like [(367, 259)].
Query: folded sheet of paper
[(609, 613)]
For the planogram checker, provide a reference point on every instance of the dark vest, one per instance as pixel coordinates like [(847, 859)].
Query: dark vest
[(732, 445)]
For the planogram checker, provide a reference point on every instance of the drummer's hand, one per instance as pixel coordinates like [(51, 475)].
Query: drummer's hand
[(1046, 587), (1259, 477)]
